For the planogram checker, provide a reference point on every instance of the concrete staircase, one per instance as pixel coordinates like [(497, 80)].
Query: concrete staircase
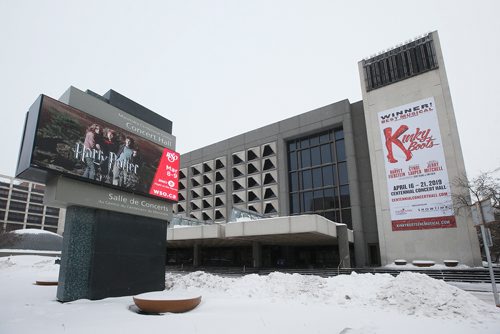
[(473, 275)]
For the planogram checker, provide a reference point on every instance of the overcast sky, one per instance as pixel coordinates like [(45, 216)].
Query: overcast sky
[(206, 65)]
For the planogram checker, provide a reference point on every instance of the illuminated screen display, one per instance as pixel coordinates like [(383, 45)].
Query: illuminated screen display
[(72, 142)]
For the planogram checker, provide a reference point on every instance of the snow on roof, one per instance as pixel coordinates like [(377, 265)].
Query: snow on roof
[(33, 231)]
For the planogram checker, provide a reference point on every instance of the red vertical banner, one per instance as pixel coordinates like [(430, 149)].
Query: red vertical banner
[(166, 181)]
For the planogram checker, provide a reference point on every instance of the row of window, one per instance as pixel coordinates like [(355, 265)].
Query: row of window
[(314, 178), (315, 140), (13, 216), (319, 200), (32, 208), (21, 196), (318, 176), (24, 187)]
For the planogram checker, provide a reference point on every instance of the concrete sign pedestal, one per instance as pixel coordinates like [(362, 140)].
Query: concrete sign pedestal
[(109, 254)]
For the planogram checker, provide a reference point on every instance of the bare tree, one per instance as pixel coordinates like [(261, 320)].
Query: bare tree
[(485, 186)]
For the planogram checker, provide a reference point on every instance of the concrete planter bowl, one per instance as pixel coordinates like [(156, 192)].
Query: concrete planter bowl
[(450, 263), (400, 262), (46, 282), (423, 263), (162, 302)]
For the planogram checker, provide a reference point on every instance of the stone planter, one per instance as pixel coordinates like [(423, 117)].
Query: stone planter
[(450, 263), (159, 302), (423, 263)]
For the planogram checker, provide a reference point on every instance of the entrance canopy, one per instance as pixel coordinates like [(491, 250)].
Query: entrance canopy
[(289, 230)]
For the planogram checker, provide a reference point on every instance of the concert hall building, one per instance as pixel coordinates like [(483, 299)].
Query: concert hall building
[(352, 183)]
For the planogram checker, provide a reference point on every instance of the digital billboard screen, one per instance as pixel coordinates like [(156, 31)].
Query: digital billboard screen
[(71, 142)]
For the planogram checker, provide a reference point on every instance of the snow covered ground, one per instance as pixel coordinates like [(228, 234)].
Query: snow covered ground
[(277, 303)]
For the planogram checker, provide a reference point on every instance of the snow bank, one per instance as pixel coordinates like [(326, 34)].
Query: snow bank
[(408, 293), (277, 303), (421, 295)]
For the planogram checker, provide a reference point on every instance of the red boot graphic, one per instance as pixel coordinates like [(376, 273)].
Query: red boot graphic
[(393, 138)]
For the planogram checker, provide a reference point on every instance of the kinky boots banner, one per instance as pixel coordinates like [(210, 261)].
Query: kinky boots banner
[(417, 180)]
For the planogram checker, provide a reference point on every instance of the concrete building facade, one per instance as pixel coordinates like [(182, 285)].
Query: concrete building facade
[(21, 207), (331, 162), (253, 172), (349, 184)]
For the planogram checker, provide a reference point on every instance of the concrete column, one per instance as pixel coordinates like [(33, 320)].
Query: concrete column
[(343, 241), (257, 254), (288, 255), (196, 255)]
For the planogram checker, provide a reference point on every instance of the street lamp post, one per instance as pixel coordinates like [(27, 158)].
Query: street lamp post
[(487, 251)]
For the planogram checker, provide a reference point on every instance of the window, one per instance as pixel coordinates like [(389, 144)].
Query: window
[(15, 217), (52, 211), (38, 188), (294, 182), (318, 176), (32, 219), (326, 154), (327, 176), (306, 179), (20, 196), (17, 206), (305, 158), (13, 227), (36, 198), (35, 209), (4, 193), (23, 186), (315, 156), (4, 184), (51, 221), (51, 229), (3, 204)]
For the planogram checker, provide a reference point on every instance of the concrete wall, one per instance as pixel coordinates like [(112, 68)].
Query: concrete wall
[(365, 182), (458, 243)]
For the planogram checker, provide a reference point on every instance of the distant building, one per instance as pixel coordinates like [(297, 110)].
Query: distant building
[(21, 207)]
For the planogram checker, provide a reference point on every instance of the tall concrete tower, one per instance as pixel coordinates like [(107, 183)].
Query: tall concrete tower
[(415, 155)]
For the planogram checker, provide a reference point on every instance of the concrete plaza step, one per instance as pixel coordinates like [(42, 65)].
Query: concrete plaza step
[(473, 275)]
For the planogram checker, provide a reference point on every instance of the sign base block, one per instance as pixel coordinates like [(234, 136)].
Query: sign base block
[(110, 254)]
